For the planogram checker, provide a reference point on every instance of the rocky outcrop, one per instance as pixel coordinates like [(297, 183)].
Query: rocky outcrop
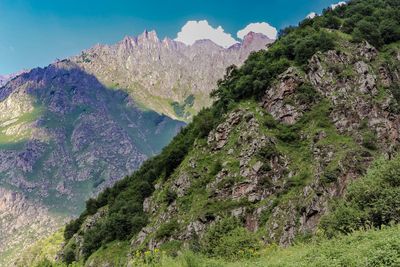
[(354, 95), (275, 100)]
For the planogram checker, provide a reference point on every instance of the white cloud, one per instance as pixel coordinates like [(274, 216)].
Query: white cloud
[(259, 27), (198, 30), (333, 6), (311, 15)]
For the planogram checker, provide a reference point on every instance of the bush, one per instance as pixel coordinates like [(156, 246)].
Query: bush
[(167, 229), (369, 140), (215, 233), (69, 254), (228, 239), (170, 196), (237, 243), (372, 201), (306, 94), (216, 167)]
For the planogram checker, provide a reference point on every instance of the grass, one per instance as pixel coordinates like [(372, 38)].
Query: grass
[(114, 254), (12, 140), (44, 249), (363, 248)]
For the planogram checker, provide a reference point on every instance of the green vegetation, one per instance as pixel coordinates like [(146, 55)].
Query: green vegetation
[(371, 248), (181, 110), (227, 238), (43, 249), (125, 216), (372, 201)]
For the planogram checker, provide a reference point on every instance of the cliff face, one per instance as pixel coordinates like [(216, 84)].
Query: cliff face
[(164, 75)]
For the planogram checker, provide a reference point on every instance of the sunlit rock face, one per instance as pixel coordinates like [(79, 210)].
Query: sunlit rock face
[(165, 75)]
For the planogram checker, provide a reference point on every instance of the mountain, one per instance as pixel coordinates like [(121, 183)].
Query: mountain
[(166, 76), (301, 145), (5, 78), (64, 137), (67, 132)]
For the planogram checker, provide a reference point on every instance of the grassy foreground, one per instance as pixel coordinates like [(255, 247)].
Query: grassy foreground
[(370, 248)]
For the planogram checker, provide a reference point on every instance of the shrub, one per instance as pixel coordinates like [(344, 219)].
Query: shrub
[(269, 121), (167, 229), (306, 94), (267, 152), (215, 233), (331, 176), (237, 243), (371, 201), (369, 140), (170, 196), (216, 167), (69, 254), (229, 240)]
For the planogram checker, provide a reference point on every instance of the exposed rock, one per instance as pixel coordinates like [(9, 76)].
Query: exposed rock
[(275, 98), (218, 138)]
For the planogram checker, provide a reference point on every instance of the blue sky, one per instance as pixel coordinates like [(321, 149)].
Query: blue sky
[(36, 32)]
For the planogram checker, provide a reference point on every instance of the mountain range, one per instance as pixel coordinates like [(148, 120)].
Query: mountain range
[(166, 76), (75, 127), (295, 163)]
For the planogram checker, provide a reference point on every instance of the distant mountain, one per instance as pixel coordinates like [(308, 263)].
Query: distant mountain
[(5, 78), (75, 127), (165, 75)]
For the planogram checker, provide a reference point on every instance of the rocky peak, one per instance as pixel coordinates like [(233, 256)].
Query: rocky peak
[(253, 38), (148, 36), (6, 78), (129, 42)]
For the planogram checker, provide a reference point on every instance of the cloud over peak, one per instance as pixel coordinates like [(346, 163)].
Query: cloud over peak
[(198, 30), (259, 27), (193, 31)]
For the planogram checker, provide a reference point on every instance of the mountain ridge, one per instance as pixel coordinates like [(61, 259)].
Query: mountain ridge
[(183, 70)]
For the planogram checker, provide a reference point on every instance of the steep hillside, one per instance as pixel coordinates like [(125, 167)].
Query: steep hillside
[(301, 143), (165, 75)]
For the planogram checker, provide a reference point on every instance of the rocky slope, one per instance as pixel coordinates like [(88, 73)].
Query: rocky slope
[(165, 75), (5, 78), (275, 185)]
